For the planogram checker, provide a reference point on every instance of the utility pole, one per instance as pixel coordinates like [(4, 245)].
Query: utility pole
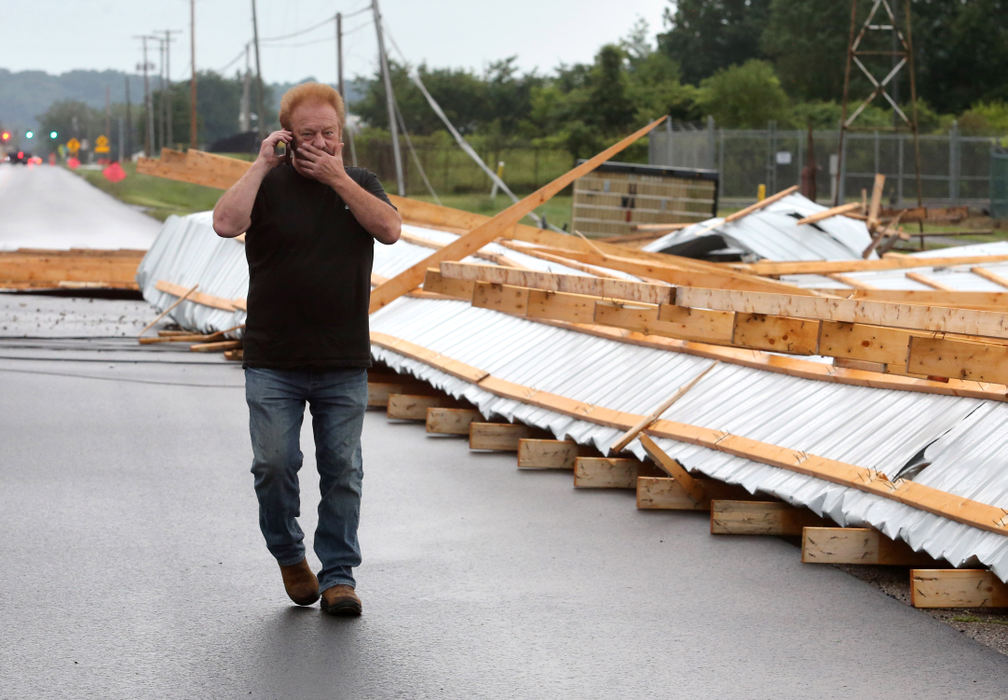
[(244, 122), (159, 129), (389, 99), (149, 140), (259, 82), (192, 81), (129, 124), (166, 98), (348, 133)]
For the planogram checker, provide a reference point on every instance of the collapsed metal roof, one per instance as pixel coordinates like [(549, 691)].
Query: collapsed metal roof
[(946, 437), (773, 234)]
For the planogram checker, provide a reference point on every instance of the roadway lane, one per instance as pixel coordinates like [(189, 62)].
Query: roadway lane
[(133, 566), (44, 206)]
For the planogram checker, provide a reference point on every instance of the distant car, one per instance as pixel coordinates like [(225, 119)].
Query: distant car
[(19, 156)]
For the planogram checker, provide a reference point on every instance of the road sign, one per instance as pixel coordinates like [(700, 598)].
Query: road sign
[(101, 144), (73, 145)]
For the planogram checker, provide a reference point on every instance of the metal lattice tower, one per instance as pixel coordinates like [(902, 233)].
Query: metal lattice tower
[(864, 44)]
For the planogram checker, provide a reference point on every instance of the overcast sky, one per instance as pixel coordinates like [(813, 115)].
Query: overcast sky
[(56, 36)]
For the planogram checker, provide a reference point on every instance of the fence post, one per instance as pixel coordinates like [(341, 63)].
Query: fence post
[(721, 173), (954, 169), (843, 172), (899, 174), (711, 145)]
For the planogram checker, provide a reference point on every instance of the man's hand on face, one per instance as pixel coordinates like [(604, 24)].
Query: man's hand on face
[(267, 149), (318, 164)]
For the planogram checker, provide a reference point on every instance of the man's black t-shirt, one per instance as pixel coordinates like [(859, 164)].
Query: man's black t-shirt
[(309, 275)]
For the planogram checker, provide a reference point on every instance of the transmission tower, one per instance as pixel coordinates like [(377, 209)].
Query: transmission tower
[(879, 36)]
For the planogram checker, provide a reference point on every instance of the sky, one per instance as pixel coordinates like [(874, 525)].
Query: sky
[(57, 36)]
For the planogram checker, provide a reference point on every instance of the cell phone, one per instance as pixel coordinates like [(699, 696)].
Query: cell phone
[(284, 150)]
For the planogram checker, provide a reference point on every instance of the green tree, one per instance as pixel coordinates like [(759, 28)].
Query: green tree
[(806, 40), (69, 119), (746, 96), (705, 36)]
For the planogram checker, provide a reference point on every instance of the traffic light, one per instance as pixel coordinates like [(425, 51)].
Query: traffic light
[(53, 134), (5, 136), (29, 134)]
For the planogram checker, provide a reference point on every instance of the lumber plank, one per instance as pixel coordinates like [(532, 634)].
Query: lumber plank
[(414, 406), (688, 324), (561, 306), (500, 297), (957, 588), (729, 517), (990, 276), (928, 282), (216, 346), (178, 290), (606, 472), (501, 437), (379, 392), (859, 341), (693, 488), (968, 300), (450, 421), (777, 333), (435, 282), (824, 267), (942, 357), (910, 316), (857, 545), (497, 226), (574, 284), (535, 453), (875, 204), (829, 213), (665, 493)]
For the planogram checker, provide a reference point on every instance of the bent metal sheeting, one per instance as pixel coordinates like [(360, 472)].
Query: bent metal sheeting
[(572, 383)]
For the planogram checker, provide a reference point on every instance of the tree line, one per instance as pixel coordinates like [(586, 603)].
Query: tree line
[(743, 62)]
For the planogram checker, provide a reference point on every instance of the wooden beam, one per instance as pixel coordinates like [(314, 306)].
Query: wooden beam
[(497, 226), (52, 269), (573, 284), (760, 518), (828, 213), (941, 357), (857, 545), (776, 333), (921, 278), (997, 279), (502, 437), (668, 321), (379, 392), (909, 316), (450, 421), (666, 493), (437, 283), (957, 588), (214, 302), (536, 453), (823, 267), (216, 346), (968, 300), (876, 202), (606, 472), (414, 406), (693, 488)]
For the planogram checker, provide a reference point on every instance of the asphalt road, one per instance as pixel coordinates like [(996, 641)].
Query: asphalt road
[(44, 206), (133, 567)]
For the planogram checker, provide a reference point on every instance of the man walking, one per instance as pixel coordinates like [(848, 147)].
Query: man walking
[(311, 223)]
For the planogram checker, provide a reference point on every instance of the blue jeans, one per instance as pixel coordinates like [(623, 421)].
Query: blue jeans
[(337, 400)]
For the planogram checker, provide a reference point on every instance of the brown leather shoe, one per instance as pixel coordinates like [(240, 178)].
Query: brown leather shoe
[(341, 600), (300, 582)]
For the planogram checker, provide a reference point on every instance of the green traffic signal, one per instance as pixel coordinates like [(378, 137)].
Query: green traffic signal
[(53, 134), (29, 134)]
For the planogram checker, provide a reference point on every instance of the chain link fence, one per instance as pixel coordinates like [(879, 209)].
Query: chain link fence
[(999, 183), (955, 169)]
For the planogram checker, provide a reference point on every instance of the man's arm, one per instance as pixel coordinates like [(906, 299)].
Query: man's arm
[(232, 214), (377, 217)]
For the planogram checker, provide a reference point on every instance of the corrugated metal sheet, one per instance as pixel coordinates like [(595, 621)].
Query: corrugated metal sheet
[(772, 233), (868, 427)]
